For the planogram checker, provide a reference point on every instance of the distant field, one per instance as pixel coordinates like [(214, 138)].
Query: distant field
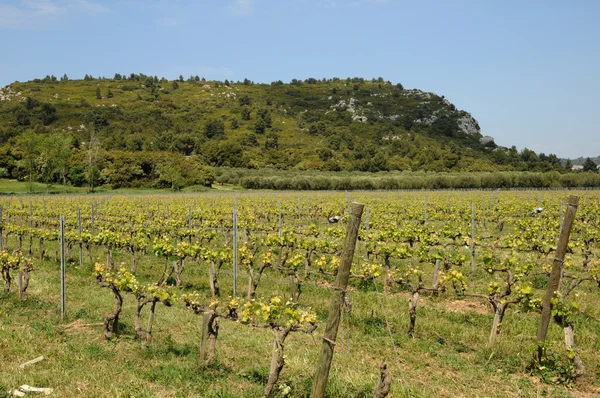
[(20, 187), (285, 241)]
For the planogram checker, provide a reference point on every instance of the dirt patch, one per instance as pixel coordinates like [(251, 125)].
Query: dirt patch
[(462, 306), (79, 326)]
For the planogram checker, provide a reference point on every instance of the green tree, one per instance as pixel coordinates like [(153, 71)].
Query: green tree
[(109, 94), (590, 165), (568, 165), (245, 113), (214, 128), (272, 141), (27, 150), (53, 160), (169, 174), (260, 126), (98, 93)]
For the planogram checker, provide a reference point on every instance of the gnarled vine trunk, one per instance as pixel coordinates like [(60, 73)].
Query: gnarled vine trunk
[(111, 322), (277, 359)]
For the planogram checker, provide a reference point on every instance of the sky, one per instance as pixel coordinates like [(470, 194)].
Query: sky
[(527, 70)]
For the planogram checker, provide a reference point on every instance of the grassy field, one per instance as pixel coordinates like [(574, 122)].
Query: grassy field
[(447, 357)]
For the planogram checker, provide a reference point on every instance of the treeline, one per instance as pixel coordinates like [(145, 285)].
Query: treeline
[(56, 159), (290, 180)]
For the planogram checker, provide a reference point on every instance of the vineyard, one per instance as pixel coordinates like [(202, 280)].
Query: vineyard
[(228, 294)]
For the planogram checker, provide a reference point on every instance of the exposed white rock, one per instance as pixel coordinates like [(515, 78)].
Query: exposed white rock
[(468, 124), (358, 118), (486, 139)]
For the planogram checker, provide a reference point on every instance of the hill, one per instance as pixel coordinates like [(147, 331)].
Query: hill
[(140, 130), (581, 160)]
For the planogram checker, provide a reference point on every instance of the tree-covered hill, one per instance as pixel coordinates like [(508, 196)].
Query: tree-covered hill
[(141, 130)]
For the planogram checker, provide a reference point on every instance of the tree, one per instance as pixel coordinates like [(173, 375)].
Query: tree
[(590, 165), (245, 100), (48, 115), (93, 148), (245, 113), (98, 93), (27, 149), (214, 128), (272, 141), (260, 126), (53, 160), (568, 165), (109, 94), (168, 173)]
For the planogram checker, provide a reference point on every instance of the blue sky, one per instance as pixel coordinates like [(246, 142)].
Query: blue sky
[(527, 70)]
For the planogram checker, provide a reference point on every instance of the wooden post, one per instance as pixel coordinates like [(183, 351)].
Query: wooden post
[(472, 237), (559, 259), (205, 322), (335, 309), (62, 269), (80, 231), (235, 250), (93, 232), (1, 229), (367, 233)]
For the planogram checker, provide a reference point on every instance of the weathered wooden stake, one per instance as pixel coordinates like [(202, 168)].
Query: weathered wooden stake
[(472, 237), (205, 321), (63, 301), (80, 231), (367, 233), (559, 259), (93, 232), (235, 250), (335, 309), (1, 229)]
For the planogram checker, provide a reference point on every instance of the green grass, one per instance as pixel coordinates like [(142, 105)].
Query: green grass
[(447, 358)]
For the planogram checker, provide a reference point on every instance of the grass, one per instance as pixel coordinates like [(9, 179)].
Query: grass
[(448, 356)]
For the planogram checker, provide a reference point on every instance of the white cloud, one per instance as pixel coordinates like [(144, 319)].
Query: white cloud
[(38, 13), (242, 7), (328, 3)]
